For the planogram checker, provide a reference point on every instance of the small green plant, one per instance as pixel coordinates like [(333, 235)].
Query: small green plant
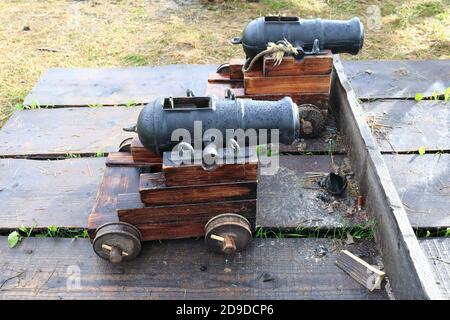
[(14, 238), (17, 235), (447, 232), (34, 105), (419, 97), (95, 105), (447, 94), (18, 106), (131, 104), (421, 151), (428, 234), (52, 231), (100, 154)]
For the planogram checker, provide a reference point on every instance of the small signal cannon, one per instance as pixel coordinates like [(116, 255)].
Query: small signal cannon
[(287, 56), (159, 120), (307, 36), (149, 192)]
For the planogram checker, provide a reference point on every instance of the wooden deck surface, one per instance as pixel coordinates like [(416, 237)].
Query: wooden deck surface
[(399, 79), (407, 125), (44, 268), (61, 192), (423, 184), (438, 253)]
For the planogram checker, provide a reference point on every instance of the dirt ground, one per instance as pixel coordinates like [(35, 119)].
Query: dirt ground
[(37, 34)]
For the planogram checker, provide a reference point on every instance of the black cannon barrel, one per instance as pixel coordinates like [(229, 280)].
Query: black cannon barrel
[(159, 119), (336, 35)]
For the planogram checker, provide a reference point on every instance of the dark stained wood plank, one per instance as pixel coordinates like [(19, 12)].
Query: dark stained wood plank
[(375, 79), (407, 125), (256, 83), (70, 130), (438, 253), (48, 193), (226, 170), (269, 269), (132, 210), (177, 221), (116, 180), (63, 87), (142, 154), (289, 199), (423, 184), (289, 66), (154, 191)]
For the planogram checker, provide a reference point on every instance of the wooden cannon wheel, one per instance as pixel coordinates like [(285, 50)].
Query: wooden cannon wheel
[(228, 233), (117, 242)]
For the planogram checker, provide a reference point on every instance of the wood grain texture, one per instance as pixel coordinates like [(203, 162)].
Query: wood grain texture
[(409, 125), (289, 199), (130, 209), (154, 191), (256, 83), (366, 274), (53, 132), (115, 180), (176, 174), (142, 154), (423, 184), (375, 79), (236, 68), (437, 251), (63, 87), (289, 66), (40, 269), (48, 193)]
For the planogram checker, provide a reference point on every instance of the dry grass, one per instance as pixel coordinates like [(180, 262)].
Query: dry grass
[(152, 32)]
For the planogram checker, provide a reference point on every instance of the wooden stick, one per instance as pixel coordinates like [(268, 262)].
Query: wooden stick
[(366, 274)]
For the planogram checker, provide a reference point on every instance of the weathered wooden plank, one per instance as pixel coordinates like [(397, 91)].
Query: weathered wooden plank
[(409, 273), (407, 125), (423, 184), (375, 79), (78, 180), (116, 180), (130, 209), (69, 269), (438, 253), (51, 132), (154, 191), (256, 83), (290, 198), (48, 193), (226, 170), (63, 87), (289, 66)]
